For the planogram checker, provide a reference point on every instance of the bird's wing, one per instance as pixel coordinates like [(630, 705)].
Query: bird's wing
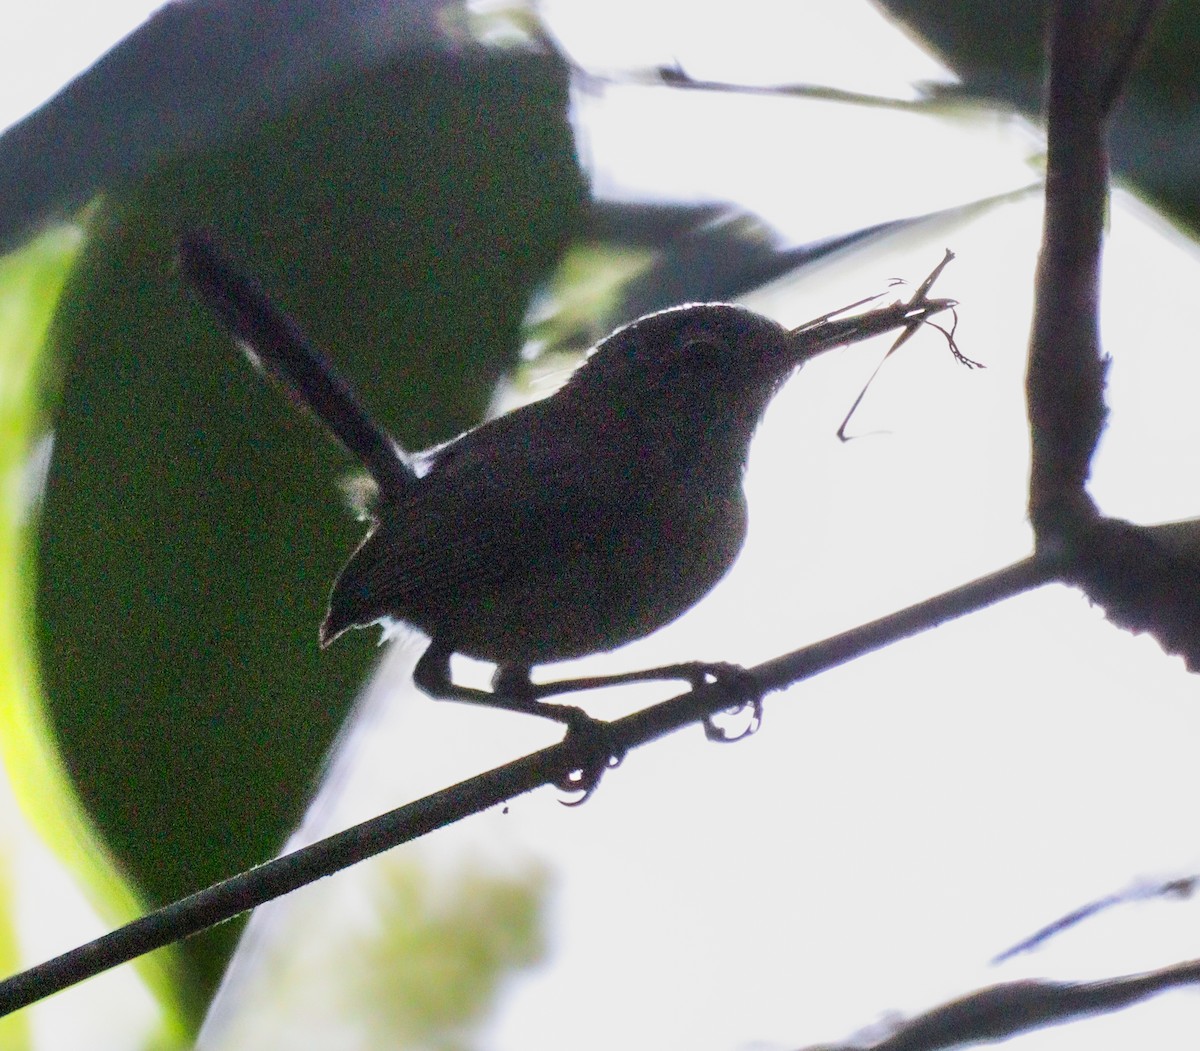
[(492, 509)]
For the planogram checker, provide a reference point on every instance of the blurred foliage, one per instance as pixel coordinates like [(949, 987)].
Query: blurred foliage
[(406, 950), (191, 527), (1153, 130), (432, 966), (30, 285)]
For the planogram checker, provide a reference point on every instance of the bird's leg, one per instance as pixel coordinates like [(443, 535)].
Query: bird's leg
[(745, 692), (512, 691)]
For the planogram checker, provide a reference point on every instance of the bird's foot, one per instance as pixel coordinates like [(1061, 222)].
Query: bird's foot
[(746, 696), (591, 738)]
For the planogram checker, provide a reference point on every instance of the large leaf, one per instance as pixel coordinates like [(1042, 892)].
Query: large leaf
[(51, 852), (191, 527)]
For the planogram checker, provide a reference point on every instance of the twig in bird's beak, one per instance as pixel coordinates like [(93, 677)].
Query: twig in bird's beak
[(834, 330)]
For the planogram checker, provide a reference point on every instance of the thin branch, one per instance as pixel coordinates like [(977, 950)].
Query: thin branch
[(968, 598), (1176, 888), (1003, 1011), (1092, 47), (550, 766)]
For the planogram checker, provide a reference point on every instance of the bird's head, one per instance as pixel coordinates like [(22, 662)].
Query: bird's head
[(709, 365)]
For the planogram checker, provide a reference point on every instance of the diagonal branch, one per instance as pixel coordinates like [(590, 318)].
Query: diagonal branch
[(550, 766), (1001, 1011)]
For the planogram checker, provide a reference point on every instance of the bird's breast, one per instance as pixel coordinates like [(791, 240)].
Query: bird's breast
[(556, 565), (607, 570)]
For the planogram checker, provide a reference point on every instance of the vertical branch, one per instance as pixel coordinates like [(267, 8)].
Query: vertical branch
[(1091, 50)]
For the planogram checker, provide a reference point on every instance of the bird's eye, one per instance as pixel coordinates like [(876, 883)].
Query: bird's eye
[(704, 354)]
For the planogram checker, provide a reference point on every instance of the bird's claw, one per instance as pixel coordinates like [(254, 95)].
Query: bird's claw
[(590, 739), (593, 739), (716, 732), (743, 689)]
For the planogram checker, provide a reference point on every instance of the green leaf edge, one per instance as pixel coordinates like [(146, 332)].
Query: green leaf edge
[(31, 281)]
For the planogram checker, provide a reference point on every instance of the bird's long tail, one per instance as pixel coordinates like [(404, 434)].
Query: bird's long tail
[(276, 344)]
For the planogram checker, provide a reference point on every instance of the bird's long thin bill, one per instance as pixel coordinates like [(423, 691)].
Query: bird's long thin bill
[(836, 330)]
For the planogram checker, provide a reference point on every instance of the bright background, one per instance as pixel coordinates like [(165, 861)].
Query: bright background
[(897, 822)]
